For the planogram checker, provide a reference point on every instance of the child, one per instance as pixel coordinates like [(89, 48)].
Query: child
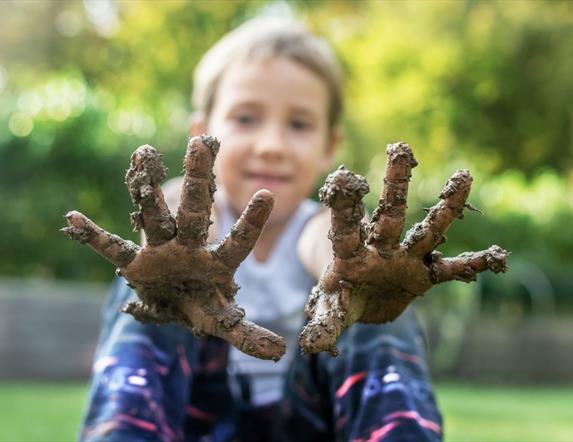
[(271, 93)]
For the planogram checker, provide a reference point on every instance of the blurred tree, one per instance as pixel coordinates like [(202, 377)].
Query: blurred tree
[(484, 85)]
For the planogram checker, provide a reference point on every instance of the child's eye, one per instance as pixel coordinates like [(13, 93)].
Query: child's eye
[(245, 119), (300, 125)]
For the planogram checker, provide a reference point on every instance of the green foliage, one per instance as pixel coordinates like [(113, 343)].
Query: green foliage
[(483, 85), (480, 80)]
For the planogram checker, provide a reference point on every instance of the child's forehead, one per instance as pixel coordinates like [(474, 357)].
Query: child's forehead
[(276, 67), (271, 79)]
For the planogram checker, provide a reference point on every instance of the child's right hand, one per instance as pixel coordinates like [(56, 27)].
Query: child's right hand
[(177, 276)]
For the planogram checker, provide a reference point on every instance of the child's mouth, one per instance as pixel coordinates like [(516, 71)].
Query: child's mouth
[(262, 180)]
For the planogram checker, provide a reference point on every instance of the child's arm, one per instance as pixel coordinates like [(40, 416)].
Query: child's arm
[(314, 248), (373, 277), (177, 275)]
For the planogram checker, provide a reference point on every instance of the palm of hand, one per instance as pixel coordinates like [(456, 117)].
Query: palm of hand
[(373, 276), (176, 274)]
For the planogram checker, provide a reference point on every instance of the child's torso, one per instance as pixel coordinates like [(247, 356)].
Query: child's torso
[(273, 294)]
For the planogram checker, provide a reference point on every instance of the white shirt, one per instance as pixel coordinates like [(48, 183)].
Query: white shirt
[(273, 294)]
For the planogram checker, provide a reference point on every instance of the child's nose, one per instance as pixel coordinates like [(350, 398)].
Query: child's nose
[(271, 141)]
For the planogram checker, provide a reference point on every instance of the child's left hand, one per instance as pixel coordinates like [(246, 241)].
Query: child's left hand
[(373, 277)]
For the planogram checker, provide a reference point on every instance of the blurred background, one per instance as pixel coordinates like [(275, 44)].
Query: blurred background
[(480, 85)]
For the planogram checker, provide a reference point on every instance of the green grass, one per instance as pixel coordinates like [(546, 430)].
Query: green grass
[(51, 412), (40, 411), (474, 413)]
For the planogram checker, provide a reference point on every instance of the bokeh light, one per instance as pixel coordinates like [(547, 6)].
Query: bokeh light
[(3, 78), (68, 23), (21, 124)]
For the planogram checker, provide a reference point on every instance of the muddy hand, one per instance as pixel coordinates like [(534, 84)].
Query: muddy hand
[(177, 275), (373, 277)]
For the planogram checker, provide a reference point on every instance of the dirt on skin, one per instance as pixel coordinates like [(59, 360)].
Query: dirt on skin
[(372, 278), (176, 274)]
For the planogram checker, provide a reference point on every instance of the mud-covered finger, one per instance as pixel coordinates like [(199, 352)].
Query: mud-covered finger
[(115, 249), (424, 237), (466, 266), (388, 218), (193, 216), (226, 321), (143, 179), (329, 315), (342, 193), (144, 313), (244, 234), (255, 340)]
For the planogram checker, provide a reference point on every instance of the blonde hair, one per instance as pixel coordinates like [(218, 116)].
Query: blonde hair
[(264, 38)]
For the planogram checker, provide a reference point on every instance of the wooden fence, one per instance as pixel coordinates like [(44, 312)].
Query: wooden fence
[(48, 331)]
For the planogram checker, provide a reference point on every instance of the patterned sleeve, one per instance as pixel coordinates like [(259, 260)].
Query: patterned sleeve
[(140, 379)]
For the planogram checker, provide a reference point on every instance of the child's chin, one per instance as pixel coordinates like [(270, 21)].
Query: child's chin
[(282, 212)]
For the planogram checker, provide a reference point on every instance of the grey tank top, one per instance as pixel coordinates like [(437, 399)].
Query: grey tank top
[(273, 294)]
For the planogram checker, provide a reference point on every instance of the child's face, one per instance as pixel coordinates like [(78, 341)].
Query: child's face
[(272, 120)]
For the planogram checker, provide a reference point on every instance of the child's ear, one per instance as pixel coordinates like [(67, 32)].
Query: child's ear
[(334, 141), (197, 125)]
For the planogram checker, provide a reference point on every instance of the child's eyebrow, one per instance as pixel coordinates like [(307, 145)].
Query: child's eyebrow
[(246, 104), (304, 111), (300, 110)]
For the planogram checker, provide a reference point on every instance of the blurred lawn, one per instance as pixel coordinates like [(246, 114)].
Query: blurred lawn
[(40, 411), (51, 412), (492, 413)]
